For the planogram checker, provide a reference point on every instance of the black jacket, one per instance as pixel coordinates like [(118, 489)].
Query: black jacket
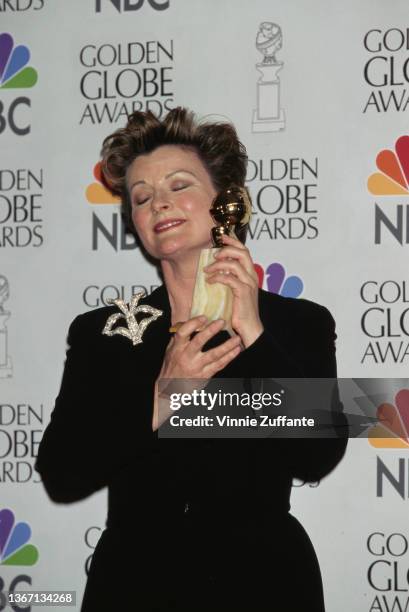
[(100, 435)]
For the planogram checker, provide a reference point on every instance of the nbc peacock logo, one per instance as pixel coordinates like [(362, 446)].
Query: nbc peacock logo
[(392, 179), (392, 429), (98, 192), (14, 549), (14, 71), (15, 74), (278, 282), (108, 224), (393, 176)]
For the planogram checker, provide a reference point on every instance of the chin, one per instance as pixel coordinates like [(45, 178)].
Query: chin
[(171, 248), (178, 251), (175, 247)]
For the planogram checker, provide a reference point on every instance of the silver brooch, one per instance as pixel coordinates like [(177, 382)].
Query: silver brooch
[(135, 330)]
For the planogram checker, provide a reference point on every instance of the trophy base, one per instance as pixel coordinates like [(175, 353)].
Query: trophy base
[(215, 301), (6, 370), (268, 125)]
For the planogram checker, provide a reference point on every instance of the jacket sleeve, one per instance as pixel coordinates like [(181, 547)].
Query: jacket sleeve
[(312, 357), (86, 442), (311, 459)]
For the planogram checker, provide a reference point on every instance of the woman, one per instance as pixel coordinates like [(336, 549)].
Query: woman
[(192, 524)]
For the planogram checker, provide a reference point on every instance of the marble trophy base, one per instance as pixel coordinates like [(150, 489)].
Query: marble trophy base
[(269, 116), (6, 369), (215, 301), (268, 125)]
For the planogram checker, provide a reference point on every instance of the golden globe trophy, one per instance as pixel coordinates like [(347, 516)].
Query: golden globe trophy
[(231, 210)]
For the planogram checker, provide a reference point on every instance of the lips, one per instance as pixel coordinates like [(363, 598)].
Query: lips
[(167, 224)]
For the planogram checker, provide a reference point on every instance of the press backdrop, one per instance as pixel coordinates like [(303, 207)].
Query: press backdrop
[(321, 103)]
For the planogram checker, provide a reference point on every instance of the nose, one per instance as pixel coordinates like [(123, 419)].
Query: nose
[(160, 202)]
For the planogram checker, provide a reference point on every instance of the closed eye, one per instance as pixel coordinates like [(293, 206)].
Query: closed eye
[(179, 186), (141, 200)]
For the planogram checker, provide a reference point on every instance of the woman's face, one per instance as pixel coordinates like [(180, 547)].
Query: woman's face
[(171, 193)]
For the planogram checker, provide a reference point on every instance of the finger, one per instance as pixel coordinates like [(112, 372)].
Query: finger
[(219, 351), (232, 251), (186, 329), (233, 267), (205, 334), (233, 241), (240, 254), (221, 363), (236, 285)]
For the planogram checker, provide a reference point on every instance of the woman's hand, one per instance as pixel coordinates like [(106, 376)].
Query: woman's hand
[(234, 267), (185, 359)]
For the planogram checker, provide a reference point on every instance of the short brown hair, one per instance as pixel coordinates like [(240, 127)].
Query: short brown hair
[(216, 144)]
